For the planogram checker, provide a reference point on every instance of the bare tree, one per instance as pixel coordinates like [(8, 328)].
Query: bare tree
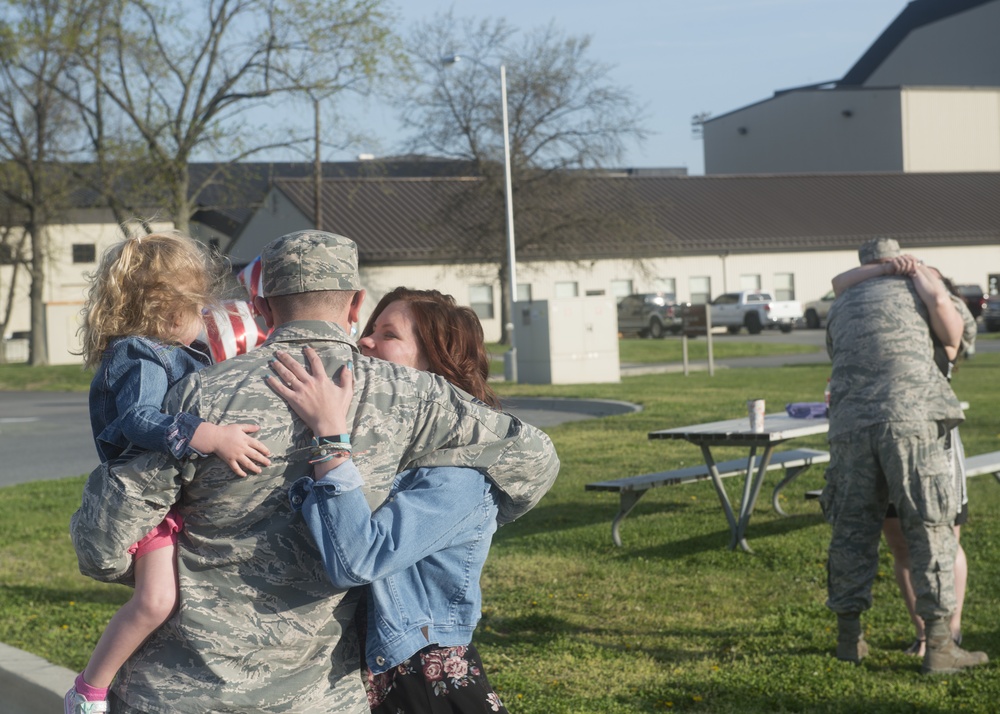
[(565, 116), (188, 84), (37, 41)]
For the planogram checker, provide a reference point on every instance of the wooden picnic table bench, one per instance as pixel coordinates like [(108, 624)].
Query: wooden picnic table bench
[(974, 466), (632, 488)]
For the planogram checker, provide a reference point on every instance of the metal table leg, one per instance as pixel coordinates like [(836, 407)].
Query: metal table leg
[(790, 475), (720, 490), (746, 508), (628, 500)]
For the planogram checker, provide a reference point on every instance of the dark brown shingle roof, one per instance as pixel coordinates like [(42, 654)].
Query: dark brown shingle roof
[(400, 220)]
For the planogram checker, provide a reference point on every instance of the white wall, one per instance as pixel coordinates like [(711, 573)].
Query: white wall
[(812, 272), (66, 282)]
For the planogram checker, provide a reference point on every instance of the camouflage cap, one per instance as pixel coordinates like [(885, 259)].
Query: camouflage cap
[(878, 249), (309, 261)]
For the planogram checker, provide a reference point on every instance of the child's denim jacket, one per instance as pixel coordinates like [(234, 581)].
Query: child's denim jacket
[(126, 398)]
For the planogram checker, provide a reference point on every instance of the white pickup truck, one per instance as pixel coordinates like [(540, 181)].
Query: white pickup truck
[(755, 311)]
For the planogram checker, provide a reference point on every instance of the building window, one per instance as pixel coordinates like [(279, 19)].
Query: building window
[(700, 288), (567, 289), (6, 254), (481, 301), (84, 253), (784, 286), (665, 285), (594, 293), (750, 283), (619, 288), (524, 292)]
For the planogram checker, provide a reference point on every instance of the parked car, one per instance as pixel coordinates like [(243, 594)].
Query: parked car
[(991, 314), (649, 314), (975, 298), (755, 311), (817, 310)]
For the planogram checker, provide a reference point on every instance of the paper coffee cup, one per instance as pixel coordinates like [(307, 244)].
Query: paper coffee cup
[(755, 410)]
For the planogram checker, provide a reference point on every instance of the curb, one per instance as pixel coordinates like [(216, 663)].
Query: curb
[(30, 684)]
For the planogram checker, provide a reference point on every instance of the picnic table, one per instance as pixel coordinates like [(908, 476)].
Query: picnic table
[(778, 429)]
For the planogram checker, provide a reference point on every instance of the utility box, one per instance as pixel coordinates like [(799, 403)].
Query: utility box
[(567, 340)]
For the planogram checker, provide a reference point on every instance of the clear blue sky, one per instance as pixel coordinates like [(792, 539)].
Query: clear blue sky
[(681, 57)]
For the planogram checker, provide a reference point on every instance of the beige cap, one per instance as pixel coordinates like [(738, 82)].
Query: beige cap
[(309, 261)]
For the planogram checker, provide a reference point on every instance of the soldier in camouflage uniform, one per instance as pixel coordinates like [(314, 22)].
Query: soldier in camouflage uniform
[(891, 409), (260, 628)]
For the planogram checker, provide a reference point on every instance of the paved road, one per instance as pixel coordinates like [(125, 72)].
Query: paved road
[(46, 435)]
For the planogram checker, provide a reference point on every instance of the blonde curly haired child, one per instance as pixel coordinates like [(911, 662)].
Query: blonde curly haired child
[(143, 311)]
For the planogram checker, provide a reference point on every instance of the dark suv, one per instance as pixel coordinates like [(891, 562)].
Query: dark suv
[(975, 298), (649, 314), (991, 314)]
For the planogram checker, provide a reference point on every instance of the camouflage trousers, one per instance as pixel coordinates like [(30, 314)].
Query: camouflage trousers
[(905, 464)]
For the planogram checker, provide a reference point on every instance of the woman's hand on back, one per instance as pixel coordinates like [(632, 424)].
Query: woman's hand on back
[(322, 403)]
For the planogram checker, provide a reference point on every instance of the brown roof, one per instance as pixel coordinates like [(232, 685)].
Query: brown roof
[(401, 219)]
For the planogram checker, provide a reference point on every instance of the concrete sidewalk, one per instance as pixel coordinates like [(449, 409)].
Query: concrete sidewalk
[(30, 685)]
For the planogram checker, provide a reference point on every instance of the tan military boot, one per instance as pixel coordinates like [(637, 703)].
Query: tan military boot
[(943, 656), (851, 645)]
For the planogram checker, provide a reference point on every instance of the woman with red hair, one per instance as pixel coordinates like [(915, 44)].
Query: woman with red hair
[(421, 553)]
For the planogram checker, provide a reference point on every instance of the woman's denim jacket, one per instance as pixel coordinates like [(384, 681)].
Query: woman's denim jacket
[(126, 398), (422, 551)]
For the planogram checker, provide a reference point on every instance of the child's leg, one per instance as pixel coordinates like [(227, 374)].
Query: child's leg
[(154, 600)]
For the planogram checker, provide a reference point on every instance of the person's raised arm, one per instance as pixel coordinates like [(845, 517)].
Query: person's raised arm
[(852, 277), (459, 430), (946, 321), (358, 546), (900, 265)]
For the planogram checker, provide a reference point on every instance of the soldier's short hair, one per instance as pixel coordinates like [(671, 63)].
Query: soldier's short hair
[(309, 261), (878, 249)]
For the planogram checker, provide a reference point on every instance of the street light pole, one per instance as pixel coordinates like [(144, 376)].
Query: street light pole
[(317, 173), (511, 369), (510, 358)]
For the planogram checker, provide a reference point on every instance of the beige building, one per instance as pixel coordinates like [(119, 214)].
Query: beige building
[(925, 97), (701, 236)]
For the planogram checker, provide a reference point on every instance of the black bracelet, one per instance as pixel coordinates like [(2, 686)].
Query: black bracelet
[(336, 439)]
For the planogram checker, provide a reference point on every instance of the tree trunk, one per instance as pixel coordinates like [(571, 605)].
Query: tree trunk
[(38, 352), (182, 202)]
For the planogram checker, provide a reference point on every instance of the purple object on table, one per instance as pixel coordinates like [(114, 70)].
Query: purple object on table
[(806, 410)]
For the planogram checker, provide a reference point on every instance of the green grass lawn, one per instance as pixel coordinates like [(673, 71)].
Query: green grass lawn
[(672, 621), (670, 349)]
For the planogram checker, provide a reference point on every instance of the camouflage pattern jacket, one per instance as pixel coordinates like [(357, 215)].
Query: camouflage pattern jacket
[(260, 628), (879, 339)]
